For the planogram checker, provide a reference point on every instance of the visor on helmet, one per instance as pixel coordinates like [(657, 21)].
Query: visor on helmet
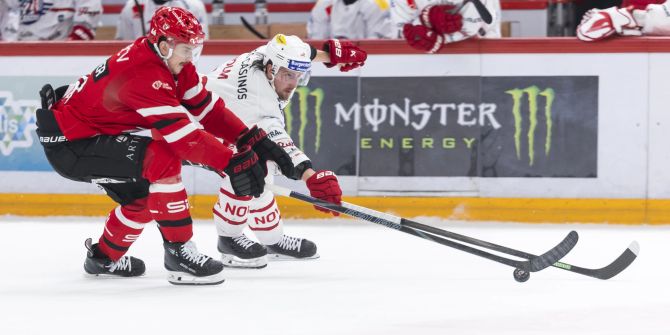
[(290, 76), (184, 50)]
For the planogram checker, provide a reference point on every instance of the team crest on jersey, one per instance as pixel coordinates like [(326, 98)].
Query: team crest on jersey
[(17, 121), (32, 10), (159, 84)]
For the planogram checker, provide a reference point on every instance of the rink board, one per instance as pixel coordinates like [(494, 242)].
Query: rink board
[(602, 138)]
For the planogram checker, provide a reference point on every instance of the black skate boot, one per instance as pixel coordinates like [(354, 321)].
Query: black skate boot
[(187, 266), (98, 264), (241, 252), (292, 248)]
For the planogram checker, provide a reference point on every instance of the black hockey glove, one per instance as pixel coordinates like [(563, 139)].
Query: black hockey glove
[(246, 175), (267, 149)]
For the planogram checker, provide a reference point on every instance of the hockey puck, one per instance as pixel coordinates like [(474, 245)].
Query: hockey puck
[(521, 275)]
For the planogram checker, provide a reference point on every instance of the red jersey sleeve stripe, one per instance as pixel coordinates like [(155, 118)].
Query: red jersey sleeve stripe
[(193, 91), (208, 108), (180, 133), (162, 110)]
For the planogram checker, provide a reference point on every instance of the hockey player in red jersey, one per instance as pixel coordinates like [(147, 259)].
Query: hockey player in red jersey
[(633, 18), (150, 84)]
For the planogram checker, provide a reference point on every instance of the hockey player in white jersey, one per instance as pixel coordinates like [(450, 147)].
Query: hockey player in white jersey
[(633, 18), (350, 19), (256, 87), (428, 25), (134, 18), (41, 20)]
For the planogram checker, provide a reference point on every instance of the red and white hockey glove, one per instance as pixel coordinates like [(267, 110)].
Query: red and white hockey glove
[(422, 38), (81, 33), (323, 185), (346, 53), (442, 19), (598, 24)]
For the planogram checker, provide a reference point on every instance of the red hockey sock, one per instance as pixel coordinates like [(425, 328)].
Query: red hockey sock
[(168, 205), (124, 225)]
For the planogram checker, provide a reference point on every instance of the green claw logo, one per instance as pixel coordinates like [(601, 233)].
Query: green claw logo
[(303, 94), (533, 92)]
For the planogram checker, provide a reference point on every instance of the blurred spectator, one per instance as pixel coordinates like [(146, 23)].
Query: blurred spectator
[(9, 20), (350, 19), (135, 15), (633, 18), (427, 25), (39, 20)]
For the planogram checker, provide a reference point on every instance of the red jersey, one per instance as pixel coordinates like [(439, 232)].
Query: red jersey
[(134, 90)]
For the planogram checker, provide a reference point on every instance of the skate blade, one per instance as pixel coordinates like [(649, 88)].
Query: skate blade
[(235, 262), (280, 257), (108, 276), (182, 278)]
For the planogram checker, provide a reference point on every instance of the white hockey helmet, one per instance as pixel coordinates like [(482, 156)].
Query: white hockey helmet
[(289, 52)]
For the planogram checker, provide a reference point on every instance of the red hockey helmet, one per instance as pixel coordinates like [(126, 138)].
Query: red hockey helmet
[(176, 25)]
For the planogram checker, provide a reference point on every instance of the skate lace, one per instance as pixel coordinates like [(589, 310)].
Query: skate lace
[(243, 241), (190, 253), (122, 264), (290, 243)]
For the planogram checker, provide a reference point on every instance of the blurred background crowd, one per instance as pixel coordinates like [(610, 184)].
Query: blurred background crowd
[(423, 23)]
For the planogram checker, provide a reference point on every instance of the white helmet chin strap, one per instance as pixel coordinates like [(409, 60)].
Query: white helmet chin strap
[(160, 54)]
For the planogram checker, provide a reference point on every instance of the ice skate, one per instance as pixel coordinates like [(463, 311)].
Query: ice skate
[(98, 264), (187, 266), (292, 248), (241, 252)]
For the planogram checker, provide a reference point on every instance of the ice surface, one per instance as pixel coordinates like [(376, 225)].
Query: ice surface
[(369, 280)]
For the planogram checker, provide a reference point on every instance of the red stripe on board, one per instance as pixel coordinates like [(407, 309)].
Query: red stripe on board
[(556, 45), (236, 8), (523, 5)]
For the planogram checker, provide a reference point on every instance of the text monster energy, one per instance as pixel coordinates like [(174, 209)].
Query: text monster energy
[(304, 94), (533, 92)]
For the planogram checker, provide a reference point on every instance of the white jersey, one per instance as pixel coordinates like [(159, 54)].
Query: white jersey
[(129, 26), (407, 11), (248, 93), (363, 19), (654, 20), (38, 20)]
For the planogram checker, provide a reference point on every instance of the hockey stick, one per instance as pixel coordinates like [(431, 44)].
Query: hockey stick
[(532, 264), (610, 270), (252, 29), (482, 10)]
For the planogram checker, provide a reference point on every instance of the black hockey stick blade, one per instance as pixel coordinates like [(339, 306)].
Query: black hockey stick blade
[(532, 264), (621, 263), (537, 263), (554, 255), (483, 11), (252, 29)]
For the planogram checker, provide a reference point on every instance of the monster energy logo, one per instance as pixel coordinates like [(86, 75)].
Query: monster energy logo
[(304, 93), (533, 93)]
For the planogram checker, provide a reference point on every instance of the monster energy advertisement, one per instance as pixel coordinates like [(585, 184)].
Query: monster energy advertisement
[(314, 125), (449, 126)]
